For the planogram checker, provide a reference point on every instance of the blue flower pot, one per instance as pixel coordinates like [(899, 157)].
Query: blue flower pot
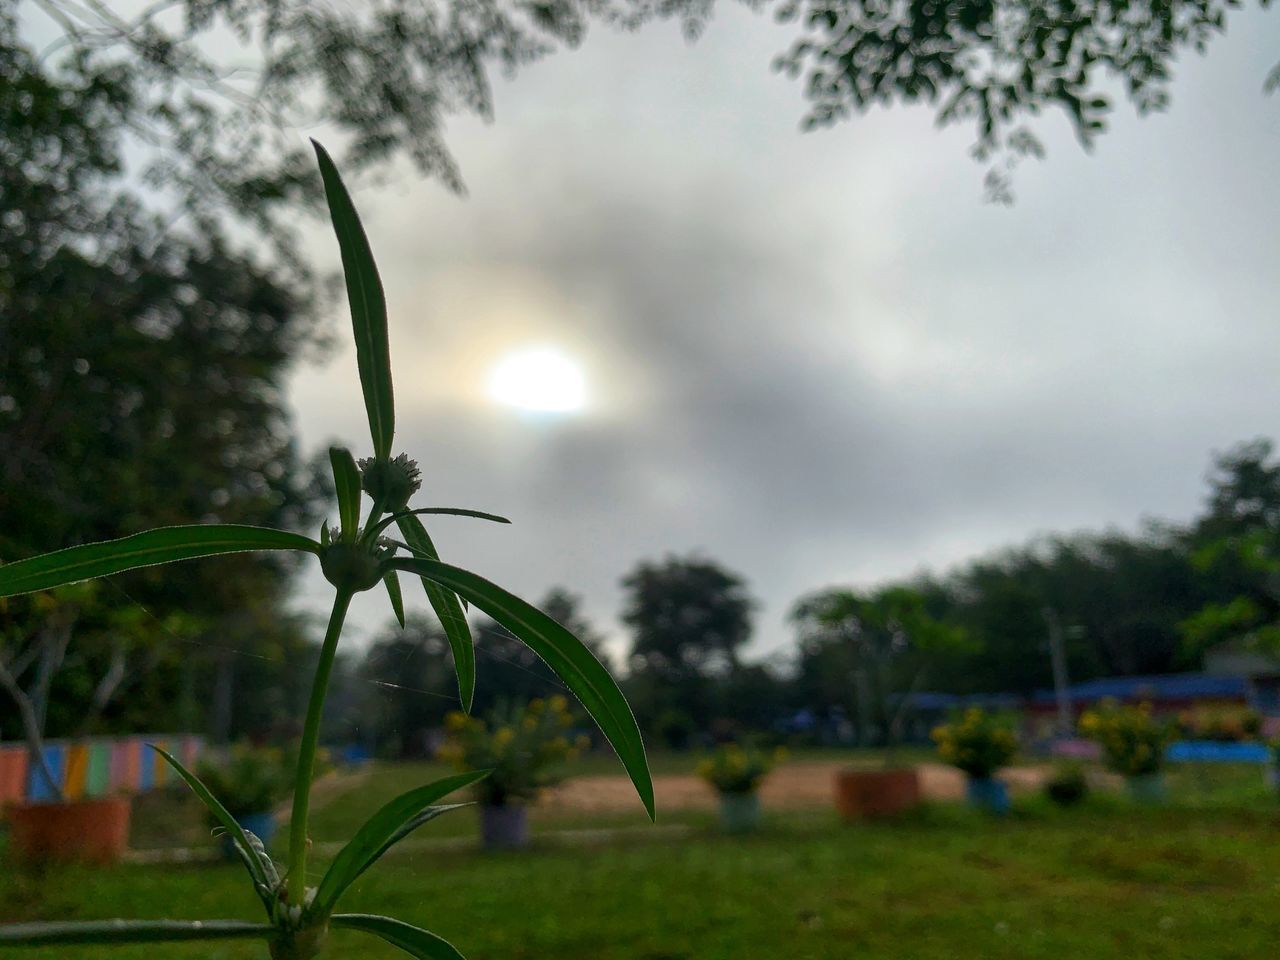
[(261, 825), (989, 794), (505, 827), (739, 812)]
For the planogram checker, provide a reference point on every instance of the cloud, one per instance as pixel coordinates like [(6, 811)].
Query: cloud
[(818, 358)]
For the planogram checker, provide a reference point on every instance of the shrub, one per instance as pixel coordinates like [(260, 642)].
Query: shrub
[(248, 780), (977, 742), (735, 769), (523, 748), (1132, 738), (1227, 723)]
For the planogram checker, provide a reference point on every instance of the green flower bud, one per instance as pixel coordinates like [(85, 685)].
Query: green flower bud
[(390, 482), (352, 566)]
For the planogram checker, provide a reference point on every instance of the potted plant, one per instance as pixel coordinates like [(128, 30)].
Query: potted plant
[(251, 782), (736, 774), (887, 639), (355, 555), (524, 749), (1133, 742), (1225, 723), (979, 743)]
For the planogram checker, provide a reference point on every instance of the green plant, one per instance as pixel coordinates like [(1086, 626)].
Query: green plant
[(735, 769), (355, 556), (1068, 785), (977, 742), (248, 780), (523, 748), (1223, 723), (1132, 738)]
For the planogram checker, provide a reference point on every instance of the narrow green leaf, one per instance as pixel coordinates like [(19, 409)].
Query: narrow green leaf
[(380, 831), (413, 823), (562, 651), (439, 511), (448, 610), (346, 482), (368, 306), (162, 545), (412, 940), (264, 879), (397, 598), (129, 931)]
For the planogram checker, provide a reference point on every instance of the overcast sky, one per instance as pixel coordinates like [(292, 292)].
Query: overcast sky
[(816, 358)]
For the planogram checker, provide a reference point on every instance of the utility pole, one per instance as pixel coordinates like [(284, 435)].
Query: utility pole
[(1061, 685)]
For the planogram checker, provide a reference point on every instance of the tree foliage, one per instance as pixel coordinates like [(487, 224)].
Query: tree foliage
[(389, 75), (141, 382), (1236, 548), (883, 644)]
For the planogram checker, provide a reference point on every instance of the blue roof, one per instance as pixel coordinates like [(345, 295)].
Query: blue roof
[(1157, 686)]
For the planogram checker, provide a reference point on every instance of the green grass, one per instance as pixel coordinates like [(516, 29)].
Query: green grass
[(1106, 879)]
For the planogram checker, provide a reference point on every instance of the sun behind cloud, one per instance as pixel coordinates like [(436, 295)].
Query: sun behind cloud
[(541, 379)]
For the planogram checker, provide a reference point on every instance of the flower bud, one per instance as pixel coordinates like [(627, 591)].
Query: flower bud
[(350, 566), (390, 482)]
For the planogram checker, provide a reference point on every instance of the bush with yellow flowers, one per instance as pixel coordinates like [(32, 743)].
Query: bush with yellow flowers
[(977, 742), (737, 769), (1223, 723), (1132, 738), (524, 746)]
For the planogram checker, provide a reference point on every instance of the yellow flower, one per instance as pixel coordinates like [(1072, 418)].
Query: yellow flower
[(502, 736), (558, 704), (456, 721)]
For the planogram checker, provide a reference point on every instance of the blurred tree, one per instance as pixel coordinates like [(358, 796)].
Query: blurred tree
[(689, 617), (407, 686), (1122, 597), (141, 383), (512, 673), (1236, 547), (388, 75), (885, 642)]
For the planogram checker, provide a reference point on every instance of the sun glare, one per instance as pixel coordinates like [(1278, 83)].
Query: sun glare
[(541, 379)]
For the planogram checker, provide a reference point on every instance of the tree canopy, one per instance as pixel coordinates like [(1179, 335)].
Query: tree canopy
[(141, 379), (388, 75)]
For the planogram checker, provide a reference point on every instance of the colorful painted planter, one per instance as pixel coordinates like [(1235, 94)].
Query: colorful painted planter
[(739, 812), (989, 794)]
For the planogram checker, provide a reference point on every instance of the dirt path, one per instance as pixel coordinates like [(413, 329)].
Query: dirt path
[(793, 785)]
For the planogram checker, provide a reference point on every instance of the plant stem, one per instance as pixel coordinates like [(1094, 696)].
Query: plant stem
[(307, 752)]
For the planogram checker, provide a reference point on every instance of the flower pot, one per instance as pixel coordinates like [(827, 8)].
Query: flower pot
[(1147, 787), (876, 793), (739, 812), (92, 831), (989, 794), (261, 825), (505, 827)]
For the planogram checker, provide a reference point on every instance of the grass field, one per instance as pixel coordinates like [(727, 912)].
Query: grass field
[(1195, 879)]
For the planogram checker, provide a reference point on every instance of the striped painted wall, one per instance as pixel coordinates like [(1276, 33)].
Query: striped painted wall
[(94, 767)]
